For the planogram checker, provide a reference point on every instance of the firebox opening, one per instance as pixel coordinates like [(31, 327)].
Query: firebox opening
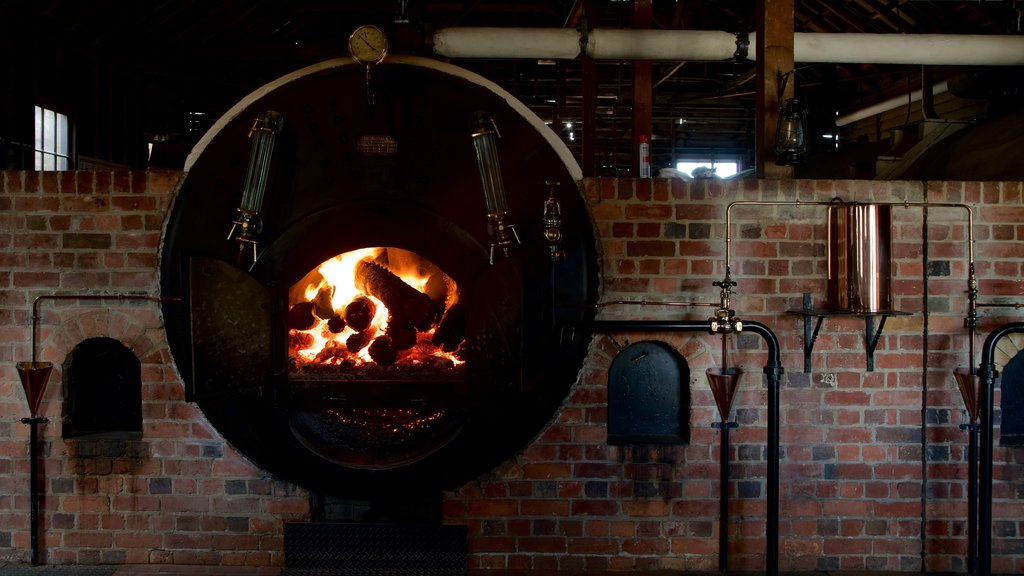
[(371, 431), (375, 313), (102, 391)]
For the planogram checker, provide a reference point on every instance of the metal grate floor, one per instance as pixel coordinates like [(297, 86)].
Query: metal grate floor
[(343, 549)]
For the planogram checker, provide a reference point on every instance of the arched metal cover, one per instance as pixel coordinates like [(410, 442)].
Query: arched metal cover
[(1011, 432), (648, 395)]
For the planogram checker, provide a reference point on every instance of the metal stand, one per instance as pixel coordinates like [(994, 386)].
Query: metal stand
[(33, 479), (723, 495)]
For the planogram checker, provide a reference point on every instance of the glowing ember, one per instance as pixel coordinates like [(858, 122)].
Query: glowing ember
[(375, 307)]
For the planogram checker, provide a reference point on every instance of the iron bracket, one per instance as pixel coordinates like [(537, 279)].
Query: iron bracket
[(816, 316)]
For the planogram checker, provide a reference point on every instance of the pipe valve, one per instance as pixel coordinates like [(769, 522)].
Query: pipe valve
[(724, 320)]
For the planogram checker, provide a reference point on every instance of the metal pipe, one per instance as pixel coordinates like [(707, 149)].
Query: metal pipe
[(890, 104), (972, 283), (34, 421), (710, 45), (1000, 305), (650, 303), (988, 379), (36, 302), (33, 479), (937, 49), (723, 498), (773, 371), (972, 497)]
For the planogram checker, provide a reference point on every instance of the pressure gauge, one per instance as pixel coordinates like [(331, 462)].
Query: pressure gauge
[(368, 45)]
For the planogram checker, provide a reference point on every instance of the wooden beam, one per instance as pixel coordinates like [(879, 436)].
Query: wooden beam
[(643, 15), (587, 14), (774, 60)]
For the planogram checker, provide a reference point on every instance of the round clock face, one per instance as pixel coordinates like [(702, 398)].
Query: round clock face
[(368, 45)]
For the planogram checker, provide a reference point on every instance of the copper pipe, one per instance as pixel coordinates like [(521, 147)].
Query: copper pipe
[(34, 421), (648, 303), (970, 320)]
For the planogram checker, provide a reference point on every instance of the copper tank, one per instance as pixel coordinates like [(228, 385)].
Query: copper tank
[(859, 257)]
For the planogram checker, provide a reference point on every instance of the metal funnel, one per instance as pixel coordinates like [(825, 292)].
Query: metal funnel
[(970, 389), (34, 376), (723, 384)]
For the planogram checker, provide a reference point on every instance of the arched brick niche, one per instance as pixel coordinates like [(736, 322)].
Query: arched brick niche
[(102, 391)]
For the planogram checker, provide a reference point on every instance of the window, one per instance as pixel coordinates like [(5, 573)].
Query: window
[(720, 169), (51, 145)]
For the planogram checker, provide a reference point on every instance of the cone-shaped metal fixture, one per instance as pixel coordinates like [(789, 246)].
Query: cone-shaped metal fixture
[(723, 382), (970, 388), (34, 376)]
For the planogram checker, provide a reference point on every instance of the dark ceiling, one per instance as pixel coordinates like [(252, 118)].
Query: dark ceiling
[(203, 56)]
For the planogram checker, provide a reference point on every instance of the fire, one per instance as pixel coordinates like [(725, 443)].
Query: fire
[(375, 307)]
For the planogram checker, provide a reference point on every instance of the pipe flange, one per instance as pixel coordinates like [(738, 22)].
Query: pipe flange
[(742, 47)]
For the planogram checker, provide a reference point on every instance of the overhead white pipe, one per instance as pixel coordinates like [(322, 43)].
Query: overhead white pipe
[(923, 49), (890, 104), (695, 45), (539, 43), (614, 44)]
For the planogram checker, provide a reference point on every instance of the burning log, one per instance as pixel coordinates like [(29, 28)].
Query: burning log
[(403, 336), (359, 340), (300, 316), (452, 330), (405, 302), (336, 324), (300, 340), (382, 350), (331, 351), (359, 313), (323, 306)]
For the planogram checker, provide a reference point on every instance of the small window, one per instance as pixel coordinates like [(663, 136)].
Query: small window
[(51, 144), (708, 168)]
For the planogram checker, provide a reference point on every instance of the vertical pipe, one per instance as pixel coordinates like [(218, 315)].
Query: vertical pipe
[(972, 499), (988, 379), (773, 370), (772, 497), (33, 480), (723, 501), (723, 479)]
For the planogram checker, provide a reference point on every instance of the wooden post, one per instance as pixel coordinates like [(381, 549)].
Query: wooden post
[(774, 59), (589, 129), (643, 15)]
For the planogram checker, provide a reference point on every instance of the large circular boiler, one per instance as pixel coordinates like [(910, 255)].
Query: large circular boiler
[(374, 333)]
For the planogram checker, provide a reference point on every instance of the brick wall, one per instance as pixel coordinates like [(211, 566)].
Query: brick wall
[(872, 471), (180, 495)]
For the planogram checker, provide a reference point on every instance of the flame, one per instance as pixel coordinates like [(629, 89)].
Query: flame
[(331, 287)]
